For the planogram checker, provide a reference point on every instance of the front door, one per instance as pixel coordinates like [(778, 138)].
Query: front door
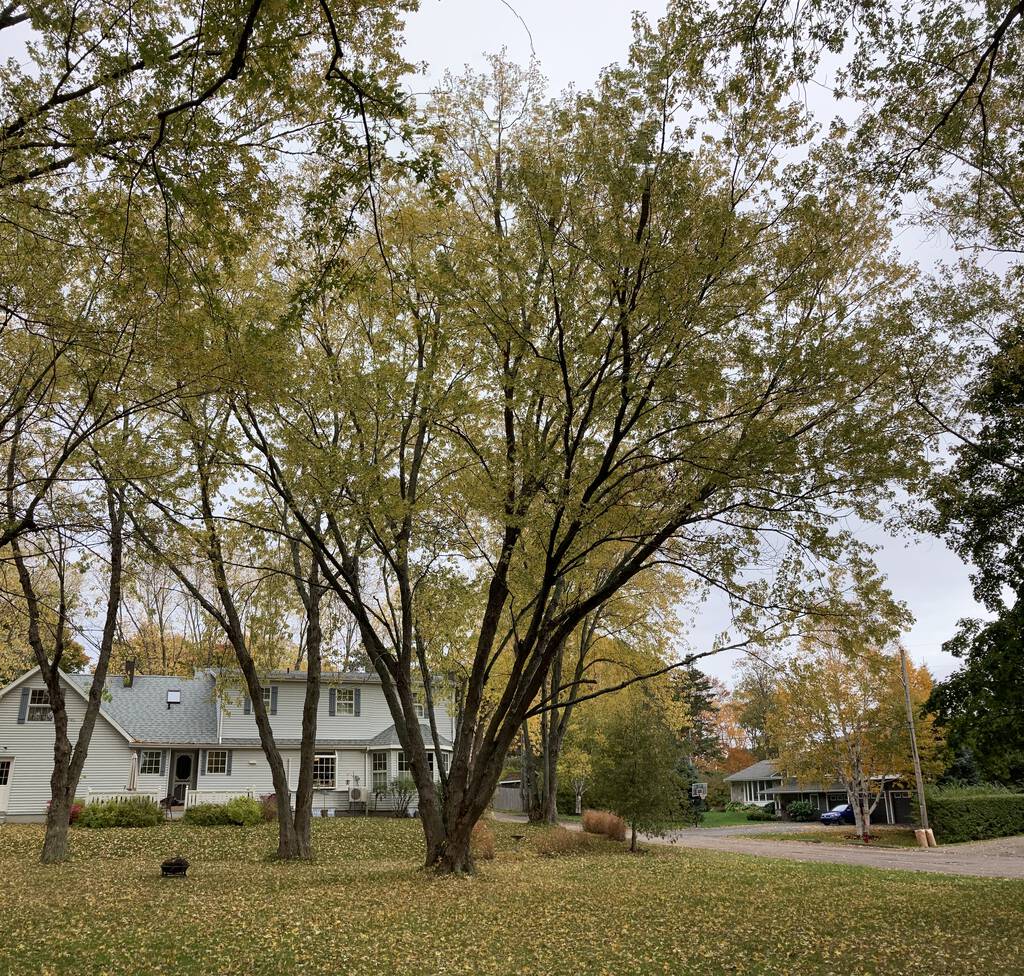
[(183, 770), (6, 769)]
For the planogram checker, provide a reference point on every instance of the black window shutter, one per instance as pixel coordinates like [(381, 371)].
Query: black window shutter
[(228, 770), (332, 702), (247, 706), (163, 762), (273, 700), (23, 707), (202, 762), (358, 696)]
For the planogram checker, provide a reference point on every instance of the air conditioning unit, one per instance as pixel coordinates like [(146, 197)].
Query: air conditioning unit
[(357, 794)]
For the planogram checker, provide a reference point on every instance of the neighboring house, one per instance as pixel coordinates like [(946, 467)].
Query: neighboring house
[(762, 784), (195, 739)]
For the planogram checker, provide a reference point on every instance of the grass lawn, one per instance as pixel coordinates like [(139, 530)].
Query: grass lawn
[(725, 818), (364, 908), (880, 836), (713, 818)]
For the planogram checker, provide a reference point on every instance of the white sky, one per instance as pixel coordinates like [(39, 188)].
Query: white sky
[(573, 40)]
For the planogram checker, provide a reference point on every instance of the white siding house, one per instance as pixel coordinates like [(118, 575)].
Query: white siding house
[(195, 739)]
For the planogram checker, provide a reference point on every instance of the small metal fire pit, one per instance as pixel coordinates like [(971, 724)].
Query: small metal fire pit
[(174, 867)]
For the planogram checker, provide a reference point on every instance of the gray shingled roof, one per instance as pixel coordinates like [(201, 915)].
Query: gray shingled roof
[(388, 739), (764, 769), (142, 711)]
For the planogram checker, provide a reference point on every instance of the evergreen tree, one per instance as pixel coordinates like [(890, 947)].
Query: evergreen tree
[(636, 769), (700, 736)]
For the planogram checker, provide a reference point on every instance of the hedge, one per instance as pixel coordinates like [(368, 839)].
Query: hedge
[(956, 818), (136, 812), (242, 811)]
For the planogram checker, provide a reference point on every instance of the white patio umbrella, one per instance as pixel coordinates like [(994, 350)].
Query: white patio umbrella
[(133, 773)]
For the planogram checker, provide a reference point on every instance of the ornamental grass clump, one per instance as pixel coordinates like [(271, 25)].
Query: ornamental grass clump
[(559, 842), (482, 843), (604, 822)]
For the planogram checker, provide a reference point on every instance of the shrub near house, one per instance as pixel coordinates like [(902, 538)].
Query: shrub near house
[(136, 812)]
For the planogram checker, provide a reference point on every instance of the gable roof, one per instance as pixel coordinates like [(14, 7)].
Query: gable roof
[(142, 709), (78, 683), (763, 769), (388, 739)]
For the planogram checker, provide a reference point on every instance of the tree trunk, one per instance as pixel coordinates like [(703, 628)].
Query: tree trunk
[(311, 593), (531, 785), (55, 843), (550, 807), (632, 839), (456, 857)]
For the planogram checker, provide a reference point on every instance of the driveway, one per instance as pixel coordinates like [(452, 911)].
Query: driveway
[(1001, 858)]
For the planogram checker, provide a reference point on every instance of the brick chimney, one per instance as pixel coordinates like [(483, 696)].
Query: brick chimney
[(129, 672)]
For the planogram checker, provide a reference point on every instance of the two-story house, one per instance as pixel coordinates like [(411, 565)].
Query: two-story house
[(195, 739)]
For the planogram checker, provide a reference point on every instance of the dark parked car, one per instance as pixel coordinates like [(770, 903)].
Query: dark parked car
[(837, 815)]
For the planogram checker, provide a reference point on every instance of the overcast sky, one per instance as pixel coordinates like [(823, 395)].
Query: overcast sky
[(573, 40)]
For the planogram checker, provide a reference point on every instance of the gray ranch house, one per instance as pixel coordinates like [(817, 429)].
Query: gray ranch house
[(762, 784), (195, 739)]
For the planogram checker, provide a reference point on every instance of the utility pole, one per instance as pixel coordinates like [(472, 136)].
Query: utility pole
[(913, 741)]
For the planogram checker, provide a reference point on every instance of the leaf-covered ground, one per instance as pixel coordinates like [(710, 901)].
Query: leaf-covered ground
[(365, 908)]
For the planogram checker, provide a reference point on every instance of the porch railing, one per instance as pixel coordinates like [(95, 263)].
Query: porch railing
[(121, 796), (195, 797)]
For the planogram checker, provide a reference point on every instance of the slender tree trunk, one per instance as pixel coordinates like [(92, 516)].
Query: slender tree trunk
[(632, 838), (311, 593), (551, 754), (55, 842)]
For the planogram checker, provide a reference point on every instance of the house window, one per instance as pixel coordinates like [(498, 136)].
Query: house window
[(217, 761), (323, 771), (379, 771), (267, 697), (39, 706), (404, 766), (150, 762), (446, 760), (346, 701), (417, 699)]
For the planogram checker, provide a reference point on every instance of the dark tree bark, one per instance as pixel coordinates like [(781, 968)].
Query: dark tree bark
[(311, 592)]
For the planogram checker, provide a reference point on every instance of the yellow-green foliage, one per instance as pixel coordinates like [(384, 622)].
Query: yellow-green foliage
[(376, 910)]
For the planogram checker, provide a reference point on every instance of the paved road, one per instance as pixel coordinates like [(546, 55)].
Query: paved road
[(1002, 858)]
